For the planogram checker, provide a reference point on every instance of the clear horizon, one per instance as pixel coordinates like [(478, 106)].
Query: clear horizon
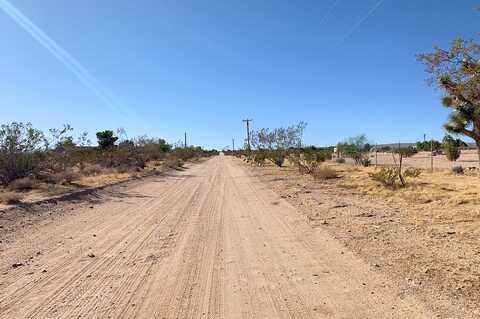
[(163, 68)]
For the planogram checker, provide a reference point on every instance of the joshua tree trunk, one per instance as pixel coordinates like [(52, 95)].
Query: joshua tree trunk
[(478, 150)]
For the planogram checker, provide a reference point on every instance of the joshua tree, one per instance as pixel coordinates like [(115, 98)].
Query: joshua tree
[(457, 72)]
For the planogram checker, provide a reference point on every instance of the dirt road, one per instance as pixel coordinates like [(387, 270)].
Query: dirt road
[(208, 242)]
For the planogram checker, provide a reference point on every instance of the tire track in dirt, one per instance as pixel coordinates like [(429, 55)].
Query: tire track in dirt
[(209, 242), (62, 268), (135, 244)]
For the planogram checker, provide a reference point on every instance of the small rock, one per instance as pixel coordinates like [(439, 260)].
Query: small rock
[(44, 271), (91, 255), (16, 265)]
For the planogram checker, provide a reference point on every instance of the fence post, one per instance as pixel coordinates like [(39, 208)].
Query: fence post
[(431, 156)]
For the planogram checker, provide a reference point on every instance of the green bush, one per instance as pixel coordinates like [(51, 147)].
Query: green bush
[(340, 160), (106, 139), (412, 172), (451, 147)]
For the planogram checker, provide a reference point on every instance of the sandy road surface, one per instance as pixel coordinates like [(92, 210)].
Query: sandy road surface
[(208, 242)]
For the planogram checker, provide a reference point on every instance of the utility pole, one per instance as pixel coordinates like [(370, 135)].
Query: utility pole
[(185, 143), (233, 144), (248, 134)]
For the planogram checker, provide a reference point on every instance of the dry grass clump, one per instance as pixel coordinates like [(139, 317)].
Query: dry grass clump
[(173, 162), (10, 198), (66, 177), (92, 169), (438, 190), (324, 173)]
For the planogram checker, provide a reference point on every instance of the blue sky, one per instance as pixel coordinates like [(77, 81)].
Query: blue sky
[(203, 66)]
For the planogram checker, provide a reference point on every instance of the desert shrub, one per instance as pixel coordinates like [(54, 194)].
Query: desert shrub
[(173, 162), (259, 158), (406, 151), (66, 177), (451, 147), (187, 153), (92, 169), (282, 138), (458, 169), (10, 198), (356, 147), (323, 173), (123, 169), (20, 147), (429, 146), (313, 154), (322, 156), (22, 184), (452, 152), (365, 161), (278, 158), (386, 175), (340, 160), (305, 167), (412, 172), (152, 148)]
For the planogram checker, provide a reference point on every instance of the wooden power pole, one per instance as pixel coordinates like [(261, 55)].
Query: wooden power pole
[(233, 144), (248, 134), (185, 143)]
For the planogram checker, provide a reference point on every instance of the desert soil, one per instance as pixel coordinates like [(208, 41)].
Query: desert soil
[(213, 241)]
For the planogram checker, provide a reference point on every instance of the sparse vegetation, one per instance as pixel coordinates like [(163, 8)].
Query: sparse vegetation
[(357, 148), (428, 146), (29, 158), (388, 176)]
